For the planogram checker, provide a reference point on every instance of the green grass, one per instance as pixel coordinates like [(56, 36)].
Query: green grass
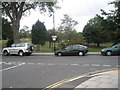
[(3, 43), (94, 50), (93, 47)]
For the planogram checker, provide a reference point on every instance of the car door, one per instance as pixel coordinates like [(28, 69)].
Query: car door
[(68, 50), (119, 49), (116, 49), (11, 48), (74, 50), (16, 49)]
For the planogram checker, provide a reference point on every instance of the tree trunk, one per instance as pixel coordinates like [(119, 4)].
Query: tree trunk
[(15, 28), (49, 44), (98, 44)]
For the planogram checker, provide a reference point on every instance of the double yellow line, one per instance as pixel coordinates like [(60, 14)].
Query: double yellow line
[(55, 85)]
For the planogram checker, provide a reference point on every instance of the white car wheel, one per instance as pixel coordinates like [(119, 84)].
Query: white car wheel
[(80, 53), (21, 53), (5, 53), (108, 53), (59, 54)]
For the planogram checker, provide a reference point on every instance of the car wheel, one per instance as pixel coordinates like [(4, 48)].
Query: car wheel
[(81, 53), (59, 54), (21, 53), (28, 54), (31, 48), (108, 53), (5, 53)]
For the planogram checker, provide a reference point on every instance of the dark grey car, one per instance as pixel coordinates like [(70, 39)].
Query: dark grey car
[(72, 50)]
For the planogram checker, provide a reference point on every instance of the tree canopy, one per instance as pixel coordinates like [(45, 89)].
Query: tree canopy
[(38, 33), (113, 21), (94, 31), (6, 29), (67, 28), (100, 28), (15, 11)]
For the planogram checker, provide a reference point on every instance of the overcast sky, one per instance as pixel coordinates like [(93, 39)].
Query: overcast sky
[(79, 10)]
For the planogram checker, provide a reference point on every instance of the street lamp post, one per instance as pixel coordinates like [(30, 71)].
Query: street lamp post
[(54, 37)]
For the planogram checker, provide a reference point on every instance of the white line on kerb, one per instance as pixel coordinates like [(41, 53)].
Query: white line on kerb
[(12, 67)]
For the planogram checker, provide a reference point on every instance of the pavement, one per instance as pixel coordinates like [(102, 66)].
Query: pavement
[(108, 79), (100, 80)]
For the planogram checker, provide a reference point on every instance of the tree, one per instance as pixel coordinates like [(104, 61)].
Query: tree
[(67, 31), (38, 33), (15, 11), (6, 29), (24, 34), (94, 32), (113, 21)]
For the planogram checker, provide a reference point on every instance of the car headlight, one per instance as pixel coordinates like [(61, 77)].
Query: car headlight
[(103, 50)]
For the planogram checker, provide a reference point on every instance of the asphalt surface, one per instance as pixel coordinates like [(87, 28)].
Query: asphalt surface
[(42, 71)]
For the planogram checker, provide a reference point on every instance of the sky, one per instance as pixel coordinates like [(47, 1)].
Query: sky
[(79, 10)]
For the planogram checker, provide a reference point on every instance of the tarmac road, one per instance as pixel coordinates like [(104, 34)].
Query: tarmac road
[(42, 71)]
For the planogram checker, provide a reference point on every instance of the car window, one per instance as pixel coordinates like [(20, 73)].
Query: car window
[(75, 47), (18, 45), (13, 45), (115, 46), (80, 47), (119, 46), (22, 44), (68, 47), (29, 44)]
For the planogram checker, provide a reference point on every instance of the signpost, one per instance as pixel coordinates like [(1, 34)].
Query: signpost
[(54, 37)]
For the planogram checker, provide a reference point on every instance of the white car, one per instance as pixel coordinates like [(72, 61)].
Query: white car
[(19, 48)]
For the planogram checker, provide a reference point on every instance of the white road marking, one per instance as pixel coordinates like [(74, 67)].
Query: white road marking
[(50, 64), (62, 64), (75, 78), (4, 62), (12, 67), (74, 64), (13, 63), (41, 63), (106, 65), (95, 64)]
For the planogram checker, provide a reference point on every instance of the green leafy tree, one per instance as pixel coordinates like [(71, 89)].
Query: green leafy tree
[(7, 33), (113, 22), (6, 29), (38, 33), (15, 11), (24, 34), (94, 32), (67, 31)]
